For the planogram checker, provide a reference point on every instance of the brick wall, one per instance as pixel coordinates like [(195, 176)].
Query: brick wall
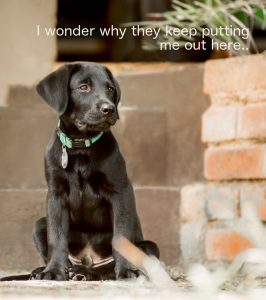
[(234, 131)]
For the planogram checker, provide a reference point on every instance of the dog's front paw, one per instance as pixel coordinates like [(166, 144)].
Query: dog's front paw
[(52, 274), (35, 272)]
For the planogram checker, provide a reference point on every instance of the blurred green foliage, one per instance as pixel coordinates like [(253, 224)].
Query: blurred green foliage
[(237, 14)]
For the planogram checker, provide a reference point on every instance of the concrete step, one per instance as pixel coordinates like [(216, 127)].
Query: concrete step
[(163, 86), (179, 89), (21, 153), (18, 211), (158, 209), (20, 208)]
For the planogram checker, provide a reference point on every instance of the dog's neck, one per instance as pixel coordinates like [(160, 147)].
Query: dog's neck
[(73, 132)]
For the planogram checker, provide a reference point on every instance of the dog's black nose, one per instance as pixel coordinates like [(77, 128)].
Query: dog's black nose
[(107, 108)]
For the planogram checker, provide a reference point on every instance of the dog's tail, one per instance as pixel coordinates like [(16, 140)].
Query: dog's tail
[(16, 277)]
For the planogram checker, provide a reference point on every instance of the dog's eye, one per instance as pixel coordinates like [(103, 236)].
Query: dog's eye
[(110, 89), (84, 87)]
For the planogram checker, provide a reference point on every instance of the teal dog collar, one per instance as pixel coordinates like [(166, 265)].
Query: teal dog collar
[(73, 144), (77, 143)]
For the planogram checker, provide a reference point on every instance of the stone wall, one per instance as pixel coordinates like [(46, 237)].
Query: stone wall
[(234, 129)]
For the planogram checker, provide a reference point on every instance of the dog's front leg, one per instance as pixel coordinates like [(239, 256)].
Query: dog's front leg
[(126, 224), (57, 231)]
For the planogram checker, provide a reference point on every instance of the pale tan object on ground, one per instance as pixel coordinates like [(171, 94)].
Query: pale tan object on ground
[(149, 265)]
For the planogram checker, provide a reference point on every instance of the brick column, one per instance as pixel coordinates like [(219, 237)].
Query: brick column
[(234, 130)]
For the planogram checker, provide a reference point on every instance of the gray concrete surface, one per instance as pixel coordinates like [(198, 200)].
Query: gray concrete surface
[(133, 289), (88, 290)]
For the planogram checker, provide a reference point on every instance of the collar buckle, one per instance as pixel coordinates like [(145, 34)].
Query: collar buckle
[(78, 143)]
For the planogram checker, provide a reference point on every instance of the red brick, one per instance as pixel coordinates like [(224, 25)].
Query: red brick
[(235, 74), (244, 96), (219, 124), (235, 162), (192, 202), (253, 197), (224, 244), (252, 121)]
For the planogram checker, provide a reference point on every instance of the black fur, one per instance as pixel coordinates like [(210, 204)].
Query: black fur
[(92, 200)]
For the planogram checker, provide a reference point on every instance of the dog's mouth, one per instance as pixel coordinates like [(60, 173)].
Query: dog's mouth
[(80, 125), (99, 125)]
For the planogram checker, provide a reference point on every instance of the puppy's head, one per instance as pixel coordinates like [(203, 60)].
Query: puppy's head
[(84, 94)]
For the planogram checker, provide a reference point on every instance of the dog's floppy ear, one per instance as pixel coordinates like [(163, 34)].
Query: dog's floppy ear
[(117, 87), (54, 88), (117, 90)]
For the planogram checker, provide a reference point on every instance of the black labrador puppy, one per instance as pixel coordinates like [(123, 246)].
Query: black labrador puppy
[(90, 199)]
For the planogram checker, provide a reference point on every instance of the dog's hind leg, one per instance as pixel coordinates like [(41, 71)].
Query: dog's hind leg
[(40, 238)]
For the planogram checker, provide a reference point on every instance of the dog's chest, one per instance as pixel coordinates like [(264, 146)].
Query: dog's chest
[(87, 204)]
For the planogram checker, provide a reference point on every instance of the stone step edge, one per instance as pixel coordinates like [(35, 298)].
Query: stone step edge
[(148, 187)]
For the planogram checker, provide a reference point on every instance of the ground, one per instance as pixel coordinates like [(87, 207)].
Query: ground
[(131, 289)]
